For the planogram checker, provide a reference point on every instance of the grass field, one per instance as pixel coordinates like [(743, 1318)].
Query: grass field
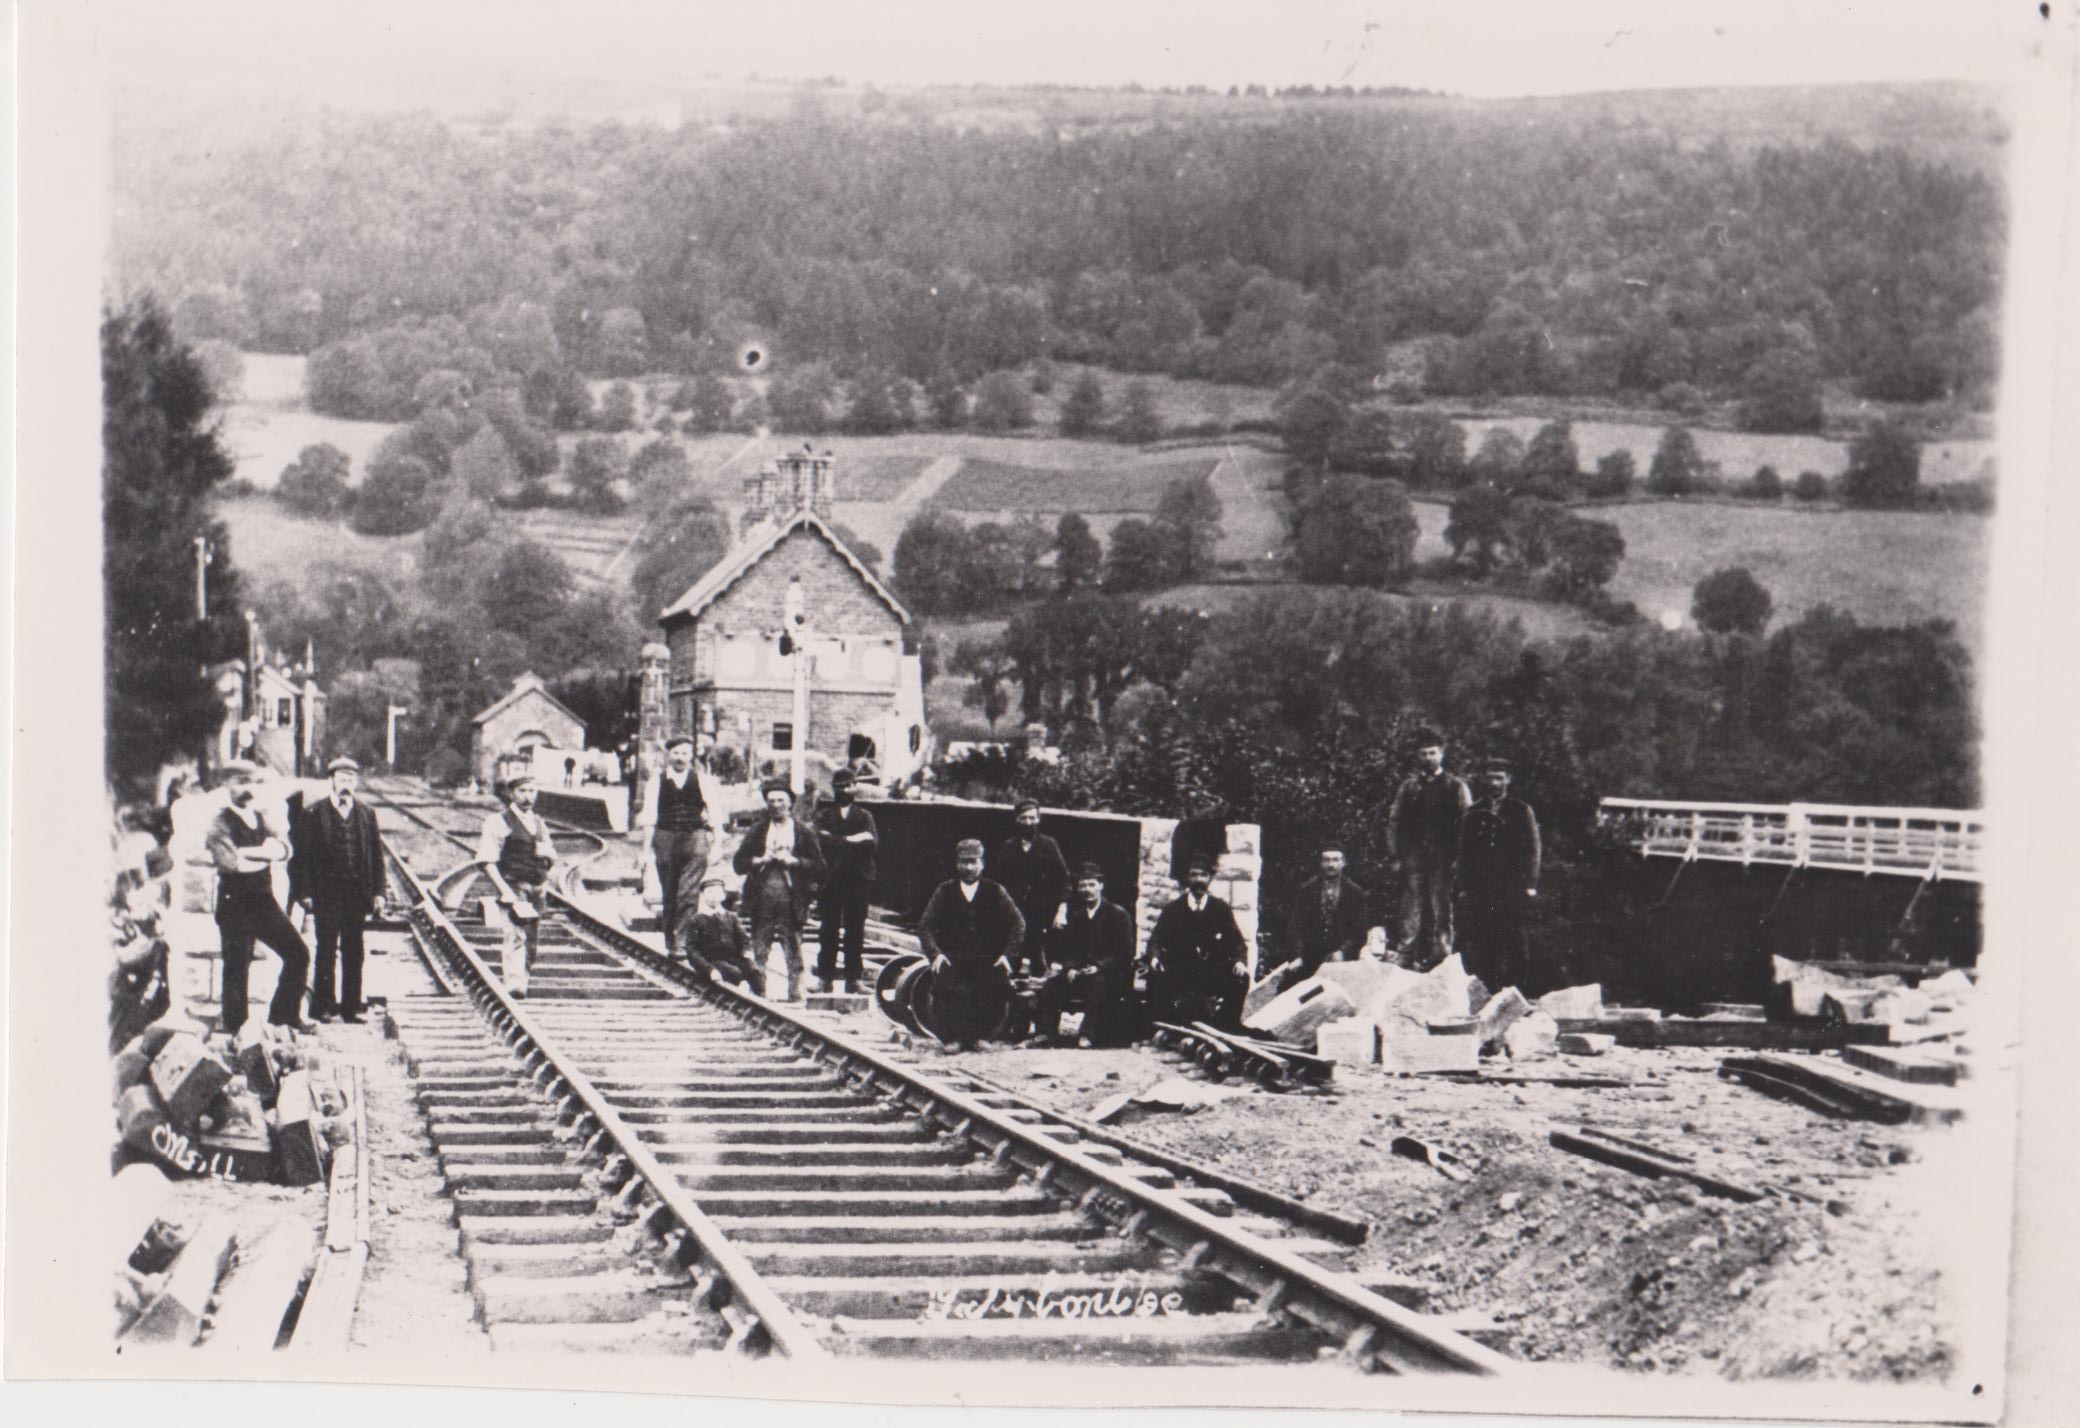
[(1738, 452), (269, 544), (1129, 487)]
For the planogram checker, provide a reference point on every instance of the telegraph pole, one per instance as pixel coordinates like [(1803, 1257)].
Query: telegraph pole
[(797, 631)]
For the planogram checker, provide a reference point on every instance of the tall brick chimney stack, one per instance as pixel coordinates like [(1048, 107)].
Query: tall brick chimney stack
[(799, 479)]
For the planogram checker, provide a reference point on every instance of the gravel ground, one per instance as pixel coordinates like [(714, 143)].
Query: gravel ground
[(1583, 1263)]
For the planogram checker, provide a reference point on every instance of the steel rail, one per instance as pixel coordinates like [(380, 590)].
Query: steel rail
[(717, 1262), (1375, 1332)]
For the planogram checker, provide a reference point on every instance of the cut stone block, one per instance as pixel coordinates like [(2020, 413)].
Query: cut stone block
[(1352, 1041), (1531, 1036), (1407, 1048), (1244, 837), (1501, 1012), (1805, 985), (1577, 1003), (1586, 1043), (1246, 867), (1294, 1014), (299, 1156), (175, 1316)]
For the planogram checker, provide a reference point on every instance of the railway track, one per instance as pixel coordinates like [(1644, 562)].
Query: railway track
[(642, 1162)]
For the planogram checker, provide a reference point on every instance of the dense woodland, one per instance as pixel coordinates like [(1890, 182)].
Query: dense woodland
[(1452, 251)]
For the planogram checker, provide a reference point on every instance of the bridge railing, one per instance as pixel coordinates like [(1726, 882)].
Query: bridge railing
[(1908, 842)]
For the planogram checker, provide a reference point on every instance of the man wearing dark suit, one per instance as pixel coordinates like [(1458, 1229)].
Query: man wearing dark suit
[(1328, 919), (1423, 836), (1197, 963), (1029, 865), (782, 863), (1090, 966), (1499, 856), (336, 872), (972, 932), (850, 842)]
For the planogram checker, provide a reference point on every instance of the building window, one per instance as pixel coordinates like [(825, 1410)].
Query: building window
[(783, 738), (284, 715), (916, 738)]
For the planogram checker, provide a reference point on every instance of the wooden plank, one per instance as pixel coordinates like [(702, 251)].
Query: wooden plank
[(1628, 1155), (1855, 1091), (258, 1292), (1746, 1035), (140, 1191)]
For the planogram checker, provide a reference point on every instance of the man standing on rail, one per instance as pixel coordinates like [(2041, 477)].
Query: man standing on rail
[(517, 854), (1090, 967), (1499, 856), (246, 849), (850, 842), (679, 817), (782, 862), (336, 872), (1197, 963), (972, 932), (1423, 836), (1029, 865)]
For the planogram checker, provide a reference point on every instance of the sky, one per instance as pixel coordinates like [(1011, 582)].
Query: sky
[(1475, 47)]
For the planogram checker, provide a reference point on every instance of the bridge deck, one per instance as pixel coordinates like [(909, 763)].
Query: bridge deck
[(1938, 843)]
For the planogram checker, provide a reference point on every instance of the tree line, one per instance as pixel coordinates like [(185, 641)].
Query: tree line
[(1510, 259)]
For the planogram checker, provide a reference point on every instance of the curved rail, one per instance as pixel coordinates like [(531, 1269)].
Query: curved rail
[(725, 1278)]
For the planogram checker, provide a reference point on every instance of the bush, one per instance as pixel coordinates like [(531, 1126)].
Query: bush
[(1682, 399), (1766, 484), (1810, 486), (446, 768), (1613, 475), (1355, 531), (1731, 601), (315, 483), (1677, 468), (1003, 403), (398, 496), (1884, 469)]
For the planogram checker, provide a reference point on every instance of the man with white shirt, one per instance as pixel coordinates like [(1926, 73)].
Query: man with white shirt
[(1197, 963), (973, 933), (678, 818), (782, 863), (246, 849), (517, 852), (336, 873)]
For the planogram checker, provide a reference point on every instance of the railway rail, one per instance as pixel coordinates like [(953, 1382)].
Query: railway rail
[(642, 1161)]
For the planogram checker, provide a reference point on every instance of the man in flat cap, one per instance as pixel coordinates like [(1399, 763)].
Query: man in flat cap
[(1030, 866), (972, 932), (336, 873), (517, 853), (713, 941), (1090, 966), (1423, 837), (1197, 962), (850, 842), (1329, 918), (246, 849), (1499, 856), (678, 820), (782, 863)]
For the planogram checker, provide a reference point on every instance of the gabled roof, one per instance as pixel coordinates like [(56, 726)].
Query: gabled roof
[(710, 587), (526, 684)]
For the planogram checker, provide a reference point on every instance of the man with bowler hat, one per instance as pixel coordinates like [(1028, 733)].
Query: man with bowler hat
[(1328, 922), (782, 862), (336, 873), (246, 849), (1197, 962), (1029, 865), (1499, 856)]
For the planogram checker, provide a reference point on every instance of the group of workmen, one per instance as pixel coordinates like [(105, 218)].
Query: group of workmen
[(1469, 868)]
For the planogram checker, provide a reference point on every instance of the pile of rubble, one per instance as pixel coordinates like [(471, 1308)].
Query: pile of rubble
[(261, 1107)]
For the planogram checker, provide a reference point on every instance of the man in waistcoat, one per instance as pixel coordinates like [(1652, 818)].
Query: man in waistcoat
[(972, 932), (679, 818), (246, 850), (1090, 967), (1197, 963), (1423, 837), (1029, 865), (782, 863), (850, 843), (336, 873), (1328, 921), (515, 849), (1499, 856)]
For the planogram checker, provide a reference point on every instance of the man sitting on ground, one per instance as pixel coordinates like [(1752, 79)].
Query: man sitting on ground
[(714, 942), (1090, 967)]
